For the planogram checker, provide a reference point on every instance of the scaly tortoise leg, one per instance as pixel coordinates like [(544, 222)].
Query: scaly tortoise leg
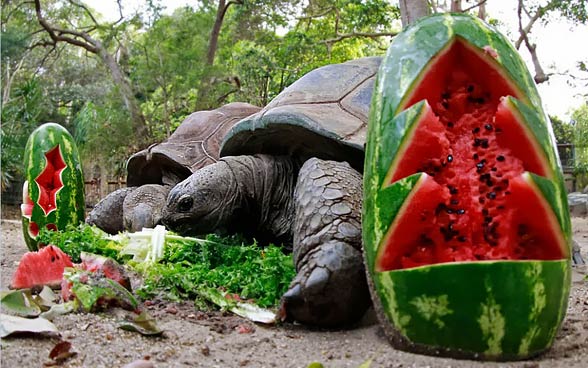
[(330, 288)]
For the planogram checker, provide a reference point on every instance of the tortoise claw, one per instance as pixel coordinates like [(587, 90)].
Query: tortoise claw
[(330, 288)]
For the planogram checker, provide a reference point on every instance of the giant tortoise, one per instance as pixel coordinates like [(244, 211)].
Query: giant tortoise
[(291, 173), (153, 171)]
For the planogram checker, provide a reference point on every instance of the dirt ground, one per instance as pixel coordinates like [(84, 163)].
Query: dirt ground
[(197, 339)]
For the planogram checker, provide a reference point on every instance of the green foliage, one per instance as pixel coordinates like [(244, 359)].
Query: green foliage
[(20, 117), (580, 118), (226, 263), (264, 46), (564, 132), (575, 10), (83, 238)]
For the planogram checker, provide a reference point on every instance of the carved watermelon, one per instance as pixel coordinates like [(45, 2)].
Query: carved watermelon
[(466, 226), (53, 194), (44, 267)]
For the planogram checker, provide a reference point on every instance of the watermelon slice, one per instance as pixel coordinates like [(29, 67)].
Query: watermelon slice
[(44, 267)]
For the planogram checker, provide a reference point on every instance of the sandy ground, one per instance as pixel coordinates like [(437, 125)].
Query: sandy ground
[(197, 339)]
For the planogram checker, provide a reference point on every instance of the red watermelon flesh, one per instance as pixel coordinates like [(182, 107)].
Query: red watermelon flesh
[(44, 267), (111, 269), (49, 181), (475, 204)]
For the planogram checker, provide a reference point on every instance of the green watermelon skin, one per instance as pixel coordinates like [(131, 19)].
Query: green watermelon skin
[(468, 311), (64, 204), (515, 288)]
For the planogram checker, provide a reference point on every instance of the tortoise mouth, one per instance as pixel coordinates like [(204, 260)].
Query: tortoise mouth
[(177, 222)]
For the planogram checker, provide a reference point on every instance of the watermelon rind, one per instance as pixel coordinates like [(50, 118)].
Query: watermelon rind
[(69, 200), (436, 310), (404, 64)]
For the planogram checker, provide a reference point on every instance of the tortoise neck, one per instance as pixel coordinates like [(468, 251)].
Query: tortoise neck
[(265, 186)]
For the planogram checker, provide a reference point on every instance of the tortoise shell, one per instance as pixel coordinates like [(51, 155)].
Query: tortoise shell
[(324, 114), (193, 145)]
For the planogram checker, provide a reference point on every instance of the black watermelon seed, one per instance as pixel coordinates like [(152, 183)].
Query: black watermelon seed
[(488, 127), (450, 124), (485, 177), (491, 195), (477, 142), (440, 208), (454, 202), (485, 211), (480, 165), (445, 95), (461, 211), (480, 100), (493, 169), (488, 219), (449, 210), (52, 258), (476, 130), (470, 88), (500, 158), (449, 158), (452, 189), (445, 104), (462, 239), (481, 200), (489, 183), (484, 143)]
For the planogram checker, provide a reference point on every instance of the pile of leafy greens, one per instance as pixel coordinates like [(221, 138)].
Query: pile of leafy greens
[(190, 267), (83, 238)]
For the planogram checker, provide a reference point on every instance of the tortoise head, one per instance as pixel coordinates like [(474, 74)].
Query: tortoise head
[(203, 202)]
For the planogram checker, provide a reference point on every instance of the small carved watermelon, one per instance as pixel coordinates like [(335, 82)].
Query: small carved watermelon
[(466, 225), (53, 193)]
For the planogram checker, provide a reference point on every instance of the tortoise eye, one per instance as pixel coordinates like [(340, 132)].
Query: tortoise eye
[(185, 204)]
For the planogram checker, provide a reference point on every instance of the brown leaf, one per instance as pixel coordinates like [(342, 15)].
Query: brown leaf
[(61, 352)]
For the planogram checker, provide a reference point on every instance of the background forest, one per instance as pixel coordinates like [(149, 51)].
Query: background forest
[(121, 85)]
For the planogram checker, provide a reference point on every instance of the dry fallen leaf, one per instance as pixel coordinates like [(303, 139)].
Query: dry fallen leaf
[(11, 324)]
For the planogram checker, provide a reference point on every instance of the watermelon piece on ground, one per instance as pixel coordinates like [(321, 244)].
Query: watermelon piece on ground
[(43, 267)]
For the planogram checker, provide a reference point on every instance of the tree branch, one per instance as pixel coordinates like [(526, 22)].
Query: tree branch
[(540, 75), (318, 15), (341, 37), (57, 35), (85, 8), (524, 31), (474, 6)]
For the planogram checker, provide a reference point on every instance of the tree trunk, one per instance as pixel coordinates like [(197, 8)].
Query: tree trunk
[(214, 34), (456, 6), (221, 11), (411, 10)]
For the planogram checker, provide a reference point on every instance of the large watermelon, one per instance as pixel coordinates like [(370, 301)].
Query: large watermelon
[(466, 226), (53, 194)]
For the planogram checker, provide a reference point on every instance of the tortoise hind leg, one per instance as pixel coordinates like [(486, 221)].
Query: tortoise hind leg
[(330, 287)]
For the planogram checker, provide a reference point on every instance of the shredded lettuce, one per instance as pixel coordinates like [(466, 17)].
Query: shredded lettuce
[(180, 268)]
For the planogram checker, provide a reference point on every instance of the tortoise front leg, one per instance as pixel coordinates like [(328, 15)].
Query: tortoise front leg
[(330, 288)]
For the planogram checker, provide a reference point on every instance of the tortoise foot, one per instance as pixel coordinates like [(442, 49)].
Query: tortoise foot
[(330, 288)]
